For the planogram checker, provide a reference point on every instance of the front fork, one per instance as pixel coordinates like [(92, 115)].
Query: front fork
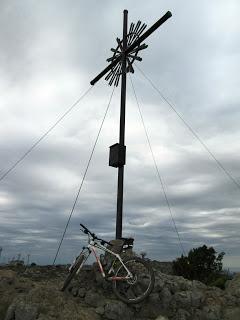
[(85, 253)]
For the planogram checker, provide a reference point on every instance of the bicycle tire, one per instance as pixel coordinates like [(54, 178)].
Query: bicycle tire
[(129, 262), (72, 272)]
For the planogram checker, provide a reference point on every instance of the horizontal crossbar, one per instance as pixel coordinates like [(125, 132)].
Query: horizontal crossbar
[(133, 46)]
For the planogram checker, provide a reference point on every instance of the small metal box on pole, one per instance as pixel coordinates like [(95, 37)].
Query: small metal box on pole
[(117, 155)]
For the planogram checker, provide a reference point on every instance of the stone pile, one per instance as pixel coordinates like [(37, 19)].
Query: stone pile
[(33, 294)]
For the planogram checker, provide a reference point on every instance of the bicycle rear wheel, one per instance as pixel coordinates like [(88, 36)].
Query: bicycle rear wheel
[(74, 269), (139, 286)]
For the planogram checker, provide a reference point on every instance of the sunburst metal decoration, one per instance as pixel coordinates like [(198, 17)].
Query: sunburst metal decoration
[(134, 33)]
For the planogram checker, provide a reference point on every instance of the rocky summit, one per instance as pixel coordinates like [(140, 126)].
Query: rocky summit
[(33, 293)]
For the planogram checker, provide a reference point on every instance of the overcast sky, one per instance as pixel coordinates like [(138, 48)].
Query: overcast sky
[(50, 50)]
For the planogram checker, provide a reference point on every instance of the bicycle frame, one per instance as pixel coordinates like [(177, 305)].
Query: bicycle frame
[(91, 249)]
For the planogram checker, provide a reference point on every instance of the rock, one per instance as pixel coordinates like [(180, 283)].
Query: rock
[(22, 311), (154, 298), (150, 310), (198, 285), (26, 312), (99, 279), (152, 306), (100, 310), (137, 307), (212, 312), (7, 277), (231, 301), (184, 284), (10, 315), (21, 289), (94, 299), (183, 299), (44, 317), (45, 303), (81, 292), (233, 286), (159, 284), (117, 310), (74, 291), (165, 298), (161, 318), (182, 315), (173, 286), (196, 298), (231, 314)]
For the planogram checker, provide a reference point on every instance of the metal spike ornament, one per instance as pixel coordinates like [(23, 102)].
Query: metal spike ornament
[(119, 65), (134, 33)]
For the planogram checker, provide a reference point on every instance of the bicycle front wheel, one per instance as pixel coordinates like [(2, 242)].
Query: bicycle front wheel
[(139, 286), (76, 266)]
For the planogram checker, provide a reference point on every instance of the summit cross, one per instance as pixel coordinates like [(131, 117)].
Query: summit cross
[(121, 63)]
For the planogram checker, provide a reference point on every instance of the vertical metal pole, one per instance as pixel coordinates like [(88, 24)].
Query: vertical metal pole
[(122, 129)]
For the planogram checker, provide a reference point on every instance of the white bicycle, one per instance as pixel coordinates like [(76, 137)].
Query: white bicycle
[(132, 277)]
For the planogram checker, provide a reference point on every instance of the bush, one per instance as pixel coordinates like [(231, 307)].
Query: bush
[(220, 281), (201, 264)]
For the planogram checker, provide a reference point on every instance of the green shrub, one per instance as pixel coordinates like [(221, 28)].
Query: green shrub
[(220, 281), (201, 264)]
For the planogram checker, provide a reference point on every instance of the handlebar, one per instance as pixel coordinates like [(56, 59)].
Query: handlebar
[(87, 231)]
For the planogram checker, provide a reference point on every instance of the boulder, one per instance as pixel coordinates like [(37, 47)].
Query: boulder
[(183, 299), (47, 303), (81, 292), (117, 310), (25, 311), (211, 312), (182, 315), (165, 298), (233, 286), (7, 277), (94, 299), (20, 310), (231, 313), (161, 318)]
